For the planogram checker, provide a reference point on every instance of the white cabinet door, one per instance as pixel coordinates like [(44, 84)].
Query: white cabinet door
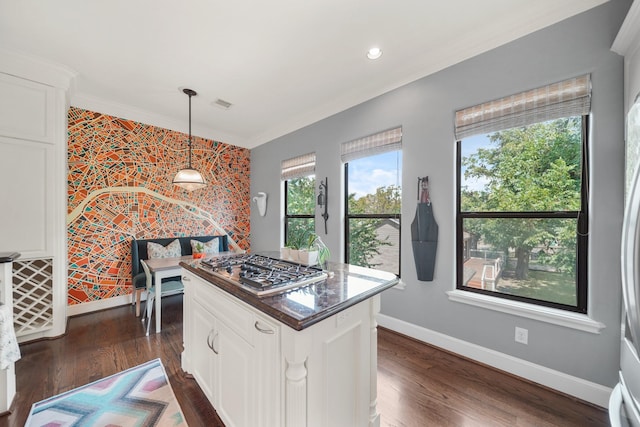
[(236, 375), (203, 358), (268, 377), (27, 225), (27, 109)]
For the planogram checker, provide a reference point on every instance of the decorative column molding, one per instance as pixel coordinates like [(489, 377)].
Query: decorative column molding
[(296, 350), (374, 416)]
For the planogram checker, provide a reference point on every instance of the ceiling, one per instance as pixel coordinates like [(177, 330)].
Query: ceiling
[(282, 64)]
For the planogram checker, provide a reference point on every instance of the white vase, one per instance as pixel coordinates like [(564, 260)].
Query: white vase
[(285, 253)]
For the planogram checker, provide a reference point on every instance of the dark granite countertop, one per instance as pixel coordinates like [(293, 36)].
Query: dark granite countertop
[(347, 285), (8, 256)]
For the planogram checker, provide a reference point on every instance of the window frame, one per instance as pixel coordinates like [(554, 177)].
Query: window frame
[(347, 217), (582, 238), (288, 216)]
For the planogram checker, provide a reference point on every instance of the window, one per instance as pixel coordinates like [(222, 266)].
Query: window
[(373, 170), (521, 221), (299, 197)]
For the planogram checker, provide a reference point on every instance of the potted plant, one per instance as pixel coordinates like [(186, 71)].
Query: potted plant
[(199, 251), (285, 252), (295, 243), (314, 251)]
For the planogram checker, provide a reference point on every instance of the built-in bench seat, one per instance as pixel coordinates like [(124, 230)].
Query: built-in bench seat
[(139, 252)]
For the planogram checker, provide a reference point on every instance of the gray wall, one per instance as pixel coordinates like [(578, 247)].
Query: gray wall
[(425, 109)]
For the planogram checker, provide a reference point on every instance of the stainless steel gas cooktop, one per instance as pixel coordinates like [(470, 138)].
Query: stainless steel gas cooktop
[(262, 275)]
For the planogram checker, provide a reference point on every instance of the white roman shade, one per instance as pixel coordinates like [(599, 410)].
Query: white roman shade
[(567, 98), (382, 142), (299, 167)]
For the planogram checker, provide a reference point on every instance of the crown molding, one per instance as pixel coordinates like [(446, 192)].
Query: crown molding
[(628, 39), (30, 67)]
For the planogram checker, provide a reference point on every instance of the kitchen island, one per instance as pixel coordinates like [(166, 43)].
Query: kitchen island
[(305, 357)]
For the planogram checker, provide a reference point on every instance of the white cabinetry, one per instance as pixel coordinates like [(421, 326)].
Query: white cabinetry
[(257, 371), (233, 353), (8, 375), (33, 120), (203, 329)]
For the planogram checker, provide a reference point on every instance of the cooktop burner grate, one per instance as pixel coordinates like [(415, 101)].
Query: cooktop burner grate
[(263, 275)]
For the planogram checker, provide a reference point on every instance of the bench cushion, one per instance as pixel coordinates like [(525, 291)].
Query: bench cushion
[(139, 251)]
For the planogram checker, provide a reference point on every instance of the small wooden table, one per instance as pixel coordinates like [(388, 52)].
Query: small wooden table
[(161, 268)]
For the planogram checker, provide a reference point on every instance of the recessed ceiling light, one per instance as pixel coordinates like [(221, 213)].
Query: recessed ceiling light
[(374, 53)]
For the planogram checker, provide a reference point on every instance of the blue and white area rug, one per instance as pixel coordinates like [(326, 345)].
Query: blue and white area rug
[(140, 396)]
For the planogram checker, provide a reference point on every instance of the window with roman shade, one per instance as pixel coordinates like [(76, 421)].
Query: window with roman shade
[(521, 215), (568, 98), (382, 142), (373, 178), (298, 167), (298, 174)]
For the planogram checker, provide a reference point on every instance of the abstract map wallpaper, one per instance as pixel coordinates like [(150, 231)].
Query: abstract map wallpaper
[(119, 189)]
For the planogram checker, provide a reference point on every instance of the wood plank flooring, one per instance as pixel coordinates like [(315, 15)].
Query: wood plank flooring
[(418, 385)]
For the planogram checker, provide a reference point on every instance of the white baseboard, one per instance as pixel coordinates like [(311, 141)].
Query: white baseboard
[(88, 307), (582, 389)]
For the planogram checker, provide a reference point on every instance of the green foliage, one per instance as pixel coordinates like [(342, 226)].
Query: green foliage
[(386, 200), (533, 168), (364, 243), (301, 199), (298, 232)]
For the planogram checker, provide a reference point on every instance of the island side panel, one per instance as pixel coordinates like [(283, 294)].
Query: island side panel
[(340, 370)]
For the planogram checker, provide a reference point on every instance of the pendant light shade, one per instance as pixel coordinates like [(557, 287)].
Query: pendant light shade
[(189, 178)]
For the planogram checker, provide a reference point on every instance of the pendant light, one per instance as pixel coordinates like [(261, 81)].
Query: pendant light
[(189, 178)]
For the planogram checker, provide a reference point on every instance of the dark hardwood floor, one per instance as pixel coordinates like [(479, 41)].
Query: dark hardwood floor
[(418, 385)]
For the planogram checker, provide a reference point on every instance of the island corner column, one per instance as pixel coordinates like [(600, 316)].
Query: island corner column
[(374, 416), (296, 348)]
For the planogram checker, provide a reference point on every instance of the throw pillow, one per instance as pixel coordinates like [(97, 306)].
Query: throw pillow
[(211, 247), (172, 250)]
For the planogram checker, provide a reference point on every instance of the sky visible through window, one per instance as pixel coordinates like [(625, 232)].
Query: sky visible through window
[(370, 173), (468, 147)]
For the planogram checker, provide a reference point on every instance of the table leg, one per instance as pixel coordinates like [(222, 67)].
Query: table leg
[(158, 285)]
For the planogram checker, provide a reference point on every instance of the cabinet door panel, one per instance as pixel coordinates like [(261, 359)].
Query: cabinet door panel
[(26, 108), (203, 358), (236, 374), (268, 371), (27, 223)]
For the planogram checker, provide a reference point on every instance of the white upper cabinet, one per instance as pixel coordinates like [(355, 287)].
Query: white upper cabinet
[(26, 109)]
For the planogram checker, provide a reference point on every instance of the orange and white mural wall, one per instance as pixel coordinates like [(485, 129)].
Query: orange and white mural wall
[(119, 189)]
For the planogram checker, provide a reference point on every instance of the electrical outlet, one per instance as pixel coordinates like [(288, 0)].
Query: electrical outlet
[(522, 335)]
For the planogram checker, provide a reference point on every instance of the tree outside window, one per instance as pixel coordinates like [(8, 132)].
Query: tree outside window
[(522, 213), (299, 208), (373, 206)]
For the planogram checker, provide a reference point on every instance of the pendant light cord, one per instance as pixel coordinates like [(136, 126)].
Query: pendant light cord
[(190, 95)]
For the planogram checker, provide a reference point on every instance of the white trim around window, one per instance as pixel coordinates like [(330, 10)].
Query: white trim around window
[(554, 316)]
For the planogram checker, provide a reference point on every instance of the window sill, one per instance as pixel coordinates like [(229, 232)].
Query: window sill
[(400, 286), (554, 316)]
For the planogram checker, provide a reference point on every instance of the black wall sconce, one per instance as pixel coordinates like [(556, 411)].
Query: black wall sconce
[(323, 199)]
